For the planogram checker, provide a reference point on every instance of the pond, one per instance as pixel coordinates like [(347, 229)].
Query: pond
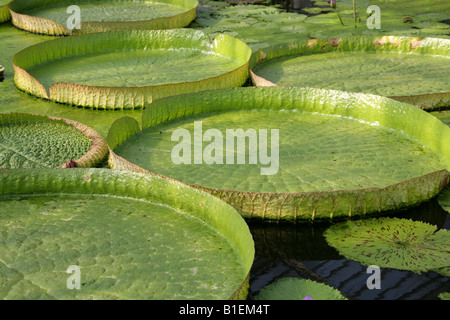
[(286, 250)]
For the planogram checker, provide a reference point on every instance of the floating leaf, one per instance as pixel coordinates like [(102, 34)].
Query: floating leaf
[(133, 236), (35, 141), (129, 69), (339, 154), (290, 288), (376, 65), (50, 17), (392, 243)]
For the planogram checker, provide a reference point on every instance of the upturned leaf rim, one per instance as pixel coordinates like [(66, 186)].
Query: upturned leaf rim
[(303, 206)]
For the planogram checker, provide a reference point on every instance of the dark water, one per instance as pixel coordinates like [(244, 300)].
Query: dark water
[(289, 250)]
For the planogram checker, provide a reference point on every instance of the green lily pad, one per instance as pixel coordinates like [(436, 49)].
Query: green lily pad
[(127, 70), (444, 199), (256, 25), (132, 236), (290, 288), (12, 100), (5, 15), (34, 141), (392, 243), (51, 16), (407, 69), (329, 153)]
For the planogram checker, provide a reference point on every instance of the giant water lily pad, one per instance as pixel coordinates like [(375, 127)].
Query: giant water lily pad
[(412, 70), (5, 15), (392, 243), (132, 236), (127, 70), (52, 17), (314, 153), (290, 288), (34, 141)]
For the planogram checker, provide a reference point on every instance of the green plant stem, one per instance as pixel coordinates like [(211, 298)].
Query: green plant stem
[(354, 11), (339, 16)]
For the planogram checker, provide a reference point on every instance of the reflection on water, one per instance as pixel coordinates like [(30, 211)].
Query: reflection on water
[(289, 250)]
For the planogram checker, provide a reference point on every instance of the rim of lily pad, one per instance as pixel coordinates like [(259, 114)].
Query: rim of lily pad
[(112, 98), (292, 288), (98, 150), (211, 212), (302, 206), (394, 243), (417, 45), (5, 14), (50, 27)]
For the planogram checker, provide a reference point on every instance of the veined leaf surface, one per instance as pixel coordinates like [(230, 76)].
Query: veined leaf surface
[(392, 243), (132, 236), (129, 69), (338, 152), (51, 16), (413, 70), (34, 141)]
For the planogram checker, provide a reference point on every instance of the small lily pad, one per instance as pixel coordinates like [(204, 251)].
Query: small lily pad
[(392, 243), (290, 288)]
